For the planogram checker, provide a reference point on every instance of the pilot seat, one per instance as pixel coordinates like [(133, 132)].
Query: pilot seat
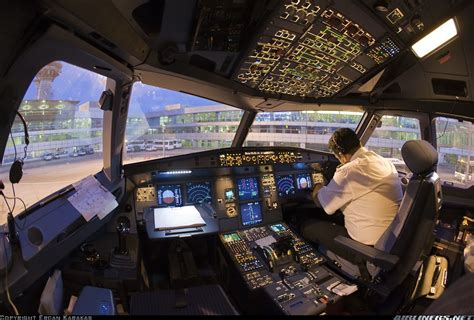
[(394, 262)]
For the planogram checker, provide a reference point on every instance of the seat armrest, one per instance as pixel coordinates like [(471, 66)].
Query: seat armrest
[(377, 257)]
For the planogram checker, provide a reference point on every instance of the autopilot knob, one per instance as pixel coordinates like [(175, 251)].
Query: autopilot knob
[(123, 229)]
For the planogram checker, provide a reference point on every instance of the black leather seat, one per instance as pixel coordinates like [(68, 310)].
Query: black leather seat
[(409, 238)]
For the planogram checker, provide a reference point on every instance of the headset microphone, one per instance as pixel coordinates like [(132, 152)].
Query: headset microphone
[(16, 170)]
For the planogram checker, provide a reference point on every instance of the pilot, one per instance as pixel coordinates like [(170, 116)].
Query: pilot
[(365, 187)]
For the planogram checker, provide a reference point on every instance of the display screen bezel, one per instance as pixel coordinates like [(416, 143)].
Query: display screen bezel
[(308, 177), (188, 200), (277, 179), (255, 222), (170, 186), (255, 198)]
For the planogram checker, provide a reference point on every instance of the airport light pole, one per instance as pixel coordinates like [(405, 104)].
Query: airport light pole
[(163, 138), (469, 149)]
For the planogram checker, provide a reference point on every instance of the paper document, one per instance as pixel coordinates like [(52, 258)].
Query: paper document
[(267, 241), (342, 289), (92, 199), (177, 217)]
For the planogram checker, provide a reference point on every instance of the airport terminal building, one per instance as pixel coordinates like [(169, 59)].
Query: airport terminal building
[(69, 128), (61, 127)]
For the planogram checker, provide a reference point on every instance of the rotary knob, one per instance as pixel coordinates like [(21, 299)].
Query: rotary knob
[(231, 212)]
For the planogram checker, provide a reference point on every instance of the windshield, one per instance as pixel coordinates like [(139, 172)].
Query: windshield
[(64, 123), (304, 129), (461, 167), (163, 123), (455, 156)]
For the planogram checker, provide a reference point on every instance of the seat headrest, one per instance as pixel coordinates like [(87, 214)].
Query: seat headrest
[(419, 156)]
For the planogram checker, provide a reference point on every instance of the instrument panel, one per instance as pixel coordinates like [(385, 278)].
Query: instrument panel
[(246, 188), (313, 49), (240, 201), (241, 194)]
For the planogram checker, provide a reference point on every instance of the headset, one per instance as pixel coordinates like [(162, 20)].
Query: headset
[(16, 170), (339, 149)]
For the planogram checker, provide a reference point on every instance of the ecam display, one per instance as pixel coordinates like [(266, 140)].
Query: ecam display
[(251, 213), (248, 188)]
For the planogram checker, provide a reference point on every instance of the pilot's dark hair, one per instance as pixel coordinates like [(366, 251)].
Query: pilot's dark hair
[(345, 141)]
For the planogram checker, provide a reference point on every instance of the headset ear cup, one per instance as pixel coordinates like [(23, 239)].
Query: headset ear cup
[(16, 171)]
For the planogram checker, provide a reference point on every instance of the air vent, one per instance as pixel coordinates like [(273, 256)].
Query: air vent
[(448, 87)]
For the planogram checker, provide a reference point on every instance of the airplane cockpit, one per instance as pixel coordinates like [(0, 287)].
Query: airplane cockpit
[(159, 157)]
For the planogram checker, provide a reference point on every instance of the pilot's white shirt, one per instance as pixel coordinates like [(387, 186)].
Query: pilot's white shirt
[(368, 192)]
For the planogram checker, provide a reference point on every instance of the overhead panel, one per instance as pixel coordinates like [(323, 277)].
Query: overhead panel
[(312, 49)]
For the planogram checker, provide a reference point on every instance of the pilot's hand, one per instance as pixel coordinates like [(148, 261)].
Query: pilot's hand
[(316, 189)]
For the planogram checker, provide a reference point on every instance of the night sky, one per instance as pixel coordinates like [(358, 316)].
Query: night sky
[(75, 83)]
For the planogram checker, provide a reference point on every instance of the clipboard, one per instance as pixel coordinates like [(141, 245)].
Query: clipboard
[(170, 218)]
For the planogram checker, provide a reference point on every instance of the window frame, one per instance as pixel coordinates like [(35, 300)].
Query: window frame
[(380, 121), (376, 116), (201, 121), (448, 184), (34, 136), (246, 126)]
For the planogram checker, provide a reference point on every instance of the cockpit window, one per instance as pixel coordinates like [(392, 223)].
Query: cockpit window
[(163, 123), (304, 129), (65, 131), (388, 138), (455, 151)]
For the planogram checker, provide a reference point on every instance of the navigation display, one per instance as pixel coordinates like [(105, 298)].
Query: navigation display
[(199, 192), (248, 188), (303, 181), (169, 195), (251, 213), (285, 185)]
